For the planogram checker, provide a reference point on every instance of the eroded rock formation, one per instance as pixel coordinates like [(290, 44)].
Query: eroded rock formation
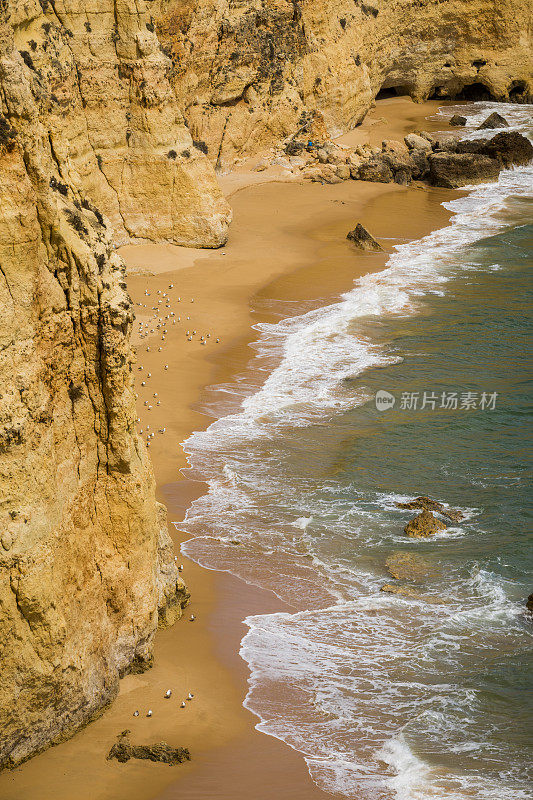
[(86, 564), (250, 72), (99, 85)]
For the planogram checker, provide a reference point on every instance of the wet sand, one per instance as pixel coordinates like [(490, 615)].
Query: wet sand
[(287, 243)]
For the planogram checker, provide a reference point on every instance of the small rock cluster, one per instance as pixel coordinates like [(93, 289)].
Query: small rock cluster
[(440, 159)]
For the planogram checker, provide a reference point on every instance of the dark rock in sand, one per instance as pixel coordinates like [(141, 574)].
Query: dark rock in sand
[(401, 165), (403, 177), (420, 164), (123, 750), (508, 147), (363, 239), (457, 120), (529, 604), (423, 525), (494, 120), (376, 171), (452, 170), (432, 505)]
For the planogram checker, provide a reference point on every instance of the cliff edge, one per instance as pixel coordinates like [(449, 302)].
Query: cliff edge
[(86, 565)]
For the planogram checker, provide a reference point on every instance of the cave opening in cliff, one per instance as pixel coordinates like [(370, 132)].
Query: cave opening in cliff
[(386, 92), (518, 91), (474, 91)]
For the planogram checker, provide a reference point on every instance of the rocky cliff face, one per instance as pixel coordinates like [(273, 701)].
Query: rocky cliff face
[(86, 564), (99, 82), (249, 73)]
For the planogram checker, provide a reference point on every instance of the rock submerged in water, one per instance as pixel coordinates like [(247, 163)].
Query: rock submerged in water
[(404, 591), (432, 505), (529, 604), (410, 566), (457, 120), (363, 239), (494, 120), (123, 750), (423, 525)]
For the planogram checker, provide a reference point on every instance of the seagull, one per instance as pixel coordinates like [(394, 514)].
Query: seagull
[(170, 285), (189, 339), (166, 366), (147, 349), (180, 568), (217, 340), (190, 696), (175, 558), (192, 300), (143, 383), (192, 618), (168, 693), (149, 713), (135, 713), (182, 705)]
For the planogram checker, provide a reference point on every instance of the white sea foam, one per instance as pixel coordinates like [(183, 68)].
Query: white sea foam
[(354, 663)]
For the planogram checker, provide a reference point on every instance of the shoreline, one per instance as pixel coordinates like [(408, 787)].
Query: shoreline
[(230, 758)]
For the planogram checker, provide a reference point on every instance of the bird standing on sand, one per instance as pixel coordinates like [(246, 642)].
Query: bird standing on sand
[(168, 693), (192, 618), (135, 713), (149, 713), (182, 704), (190, 696), (180, 568)]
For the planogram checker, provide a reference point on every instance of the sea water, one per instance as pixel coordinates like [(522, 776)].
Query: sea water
[(406, 696)]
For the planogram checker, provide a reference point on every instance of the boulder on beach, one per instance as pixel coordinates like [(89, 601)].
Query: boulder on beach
[(507, 147), (376, 171), (432, 505), (457, 120), (123, 750), (363, 239), (452, 170), (494, 120), (423, 525), (416, 142)]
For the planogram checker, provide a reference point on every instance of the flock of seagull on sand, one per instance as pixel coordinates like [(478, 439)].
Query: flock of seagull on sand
[(159, 323), (145, 330), (167, 695)]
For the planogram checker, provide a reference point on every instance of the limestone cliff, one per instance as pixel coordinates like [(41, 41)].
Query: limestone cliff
[(249, 73), (99, 81), (86, 564)]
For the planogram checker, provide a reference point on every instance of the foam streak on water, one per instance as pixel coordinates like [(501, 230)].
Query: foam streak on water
[(387, 697)]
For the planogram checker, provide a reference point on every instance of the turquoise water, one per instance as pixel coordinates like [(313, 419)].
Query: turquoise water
[(389, 696)]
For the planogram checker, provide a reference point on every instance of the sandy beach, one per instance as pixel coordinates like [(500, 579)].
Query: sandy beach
[(288, 243)]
